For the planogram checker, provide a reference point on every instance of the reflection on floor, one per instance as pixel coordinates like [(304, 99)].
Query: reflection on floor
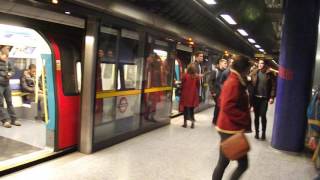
[(10, 148), (173, 153)]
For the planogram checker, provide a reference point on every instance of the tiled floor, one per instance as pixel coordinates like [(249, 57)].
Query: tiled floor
[(172, 153)]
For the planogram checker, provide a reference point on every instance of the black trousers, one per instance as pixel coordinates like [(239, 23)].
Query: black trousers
[(260, 107), (223, 162), (188, 113), (216, 110)]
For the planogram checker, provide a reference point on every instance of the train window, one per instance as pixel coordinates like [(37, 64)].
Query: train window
[(158, 70), (69, 58), (130, 64), (106, 67)]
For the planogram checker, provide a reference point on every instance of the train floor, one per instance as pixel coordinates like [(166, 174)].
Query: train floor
[(173, 153), (20, 141)]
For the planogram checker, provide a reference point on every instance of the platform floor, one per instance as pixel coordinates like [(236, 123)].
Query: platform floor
[(172, 153)]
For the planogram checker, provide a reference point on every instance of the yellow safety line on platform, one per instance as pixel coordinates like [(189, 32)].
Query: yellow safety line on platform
[(107, 94)]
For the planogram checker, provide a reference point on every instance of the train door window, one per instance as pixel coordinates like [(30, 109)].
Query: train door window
[(106, 69), (25, 57), (69, 57), (130, 64), (158, 64), (157, 101)]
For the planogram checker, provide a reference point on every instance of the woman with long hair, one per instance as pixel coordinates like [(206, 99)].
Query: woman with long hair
[(189, 94), (234, 115)]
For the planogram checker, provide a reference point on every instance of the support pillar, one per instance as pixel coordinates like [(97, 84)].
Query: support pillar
[(88, 84), (297, 59)]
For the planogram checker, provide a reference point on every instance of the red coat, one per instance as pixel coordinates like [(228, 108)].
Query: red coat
[(189, 92), (234, 115)]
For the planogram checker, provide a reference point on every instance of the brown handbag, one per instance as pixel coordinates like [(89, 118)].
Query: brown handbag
[(235, 146)]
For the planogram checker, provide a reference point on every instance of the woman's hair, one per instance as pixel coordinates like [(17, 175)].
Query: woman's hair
[(241, 64), (191, 69)]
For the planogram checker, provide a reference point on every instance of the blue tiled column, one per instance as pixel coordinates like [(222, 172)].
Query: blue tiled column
[(297, 59)]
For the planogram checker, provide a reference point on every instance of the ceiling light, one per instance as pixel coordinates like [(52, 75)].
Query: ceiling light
[(257, 46), (210, 2), (251, 40), (55, 1), (261, 50), (67, 12), (228, 18), (242, 32)]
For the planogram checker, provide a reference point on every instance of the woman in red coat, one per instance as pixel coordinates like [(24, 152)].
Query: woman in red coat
[(189, 94), (234, 116)]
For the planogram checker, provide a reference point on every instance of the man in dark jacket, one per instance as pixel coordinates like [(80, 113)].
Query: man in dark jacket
[(216, 85), (6, 72), (263, 84), (28, 82), (197, 63)]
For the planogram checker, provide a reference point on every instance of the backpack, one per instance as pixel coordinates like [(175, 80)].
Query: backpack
[(313, 111)]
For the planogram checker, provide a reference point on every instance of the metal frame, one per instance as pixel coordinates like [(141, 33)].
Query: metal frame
[(88, 93)]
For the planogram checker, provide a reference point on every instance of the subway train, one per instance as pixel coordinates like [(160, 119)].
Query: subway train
[(131, 88)]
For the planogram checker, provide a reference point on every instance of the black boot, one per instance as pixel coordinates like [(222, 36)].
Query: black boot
[(192, 125), (257, 135), (184, 124), (263, 137)]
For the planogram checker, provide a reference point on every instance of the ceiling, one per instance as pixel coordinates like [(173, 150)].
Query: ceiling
[(260, 18)]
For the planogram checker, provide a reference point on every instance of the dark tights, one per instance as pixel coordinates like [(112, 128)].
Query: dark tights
[(223, 162), (260, 107), (188, 113)]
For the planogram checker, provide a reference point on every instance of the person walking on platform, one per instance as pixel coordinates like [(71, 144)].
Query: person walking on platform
[(263, 87), (6, 72), (189, 94), (216, 85), (234, 114)]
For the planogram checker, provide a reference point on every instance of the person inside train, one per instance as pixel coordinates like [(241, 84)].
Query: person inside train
[(6, 72), (216, 85), (263, 84), (189, 95), (28, 85), (234, 114)]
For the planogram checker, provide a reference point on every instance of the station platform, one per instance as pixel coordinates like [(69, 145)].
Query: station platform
[(173, 153)]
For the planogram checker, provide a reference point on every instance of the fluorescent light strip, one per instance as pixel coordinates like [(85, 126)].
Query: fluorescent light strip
[(210, 2), (251, 40), (242, 32), (229, 19), (257, 46)]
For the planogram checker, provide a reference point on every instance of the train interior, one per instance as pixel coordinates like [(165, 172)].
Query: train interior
[(35, 135), (46, 97)]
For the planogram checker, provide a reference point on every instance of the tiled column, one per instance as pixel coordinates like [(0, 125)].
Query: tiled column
[(297, 59)]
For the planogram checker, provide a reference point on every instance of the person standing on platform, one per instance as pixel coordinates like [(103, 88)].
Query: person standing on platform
[(216, 85), (189, 94), (6, 72), (197, 63), (234, 114), (263, 87)]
